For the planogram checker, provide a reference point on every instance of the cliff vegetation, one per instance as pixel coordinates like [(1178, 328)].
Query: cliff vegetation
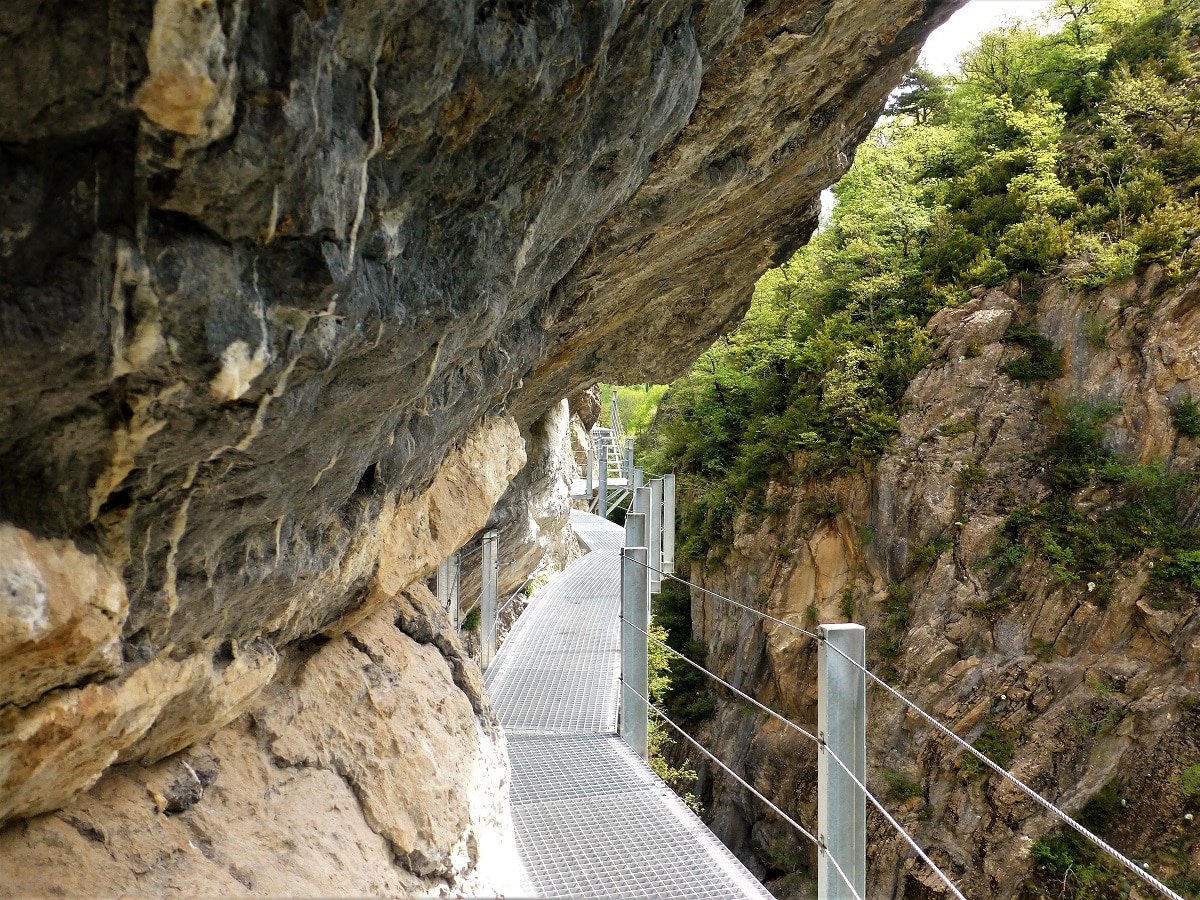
[(965, 416)]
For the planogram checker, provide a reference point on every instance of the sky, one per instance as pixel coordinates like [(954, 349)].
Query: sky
[(962, 31)]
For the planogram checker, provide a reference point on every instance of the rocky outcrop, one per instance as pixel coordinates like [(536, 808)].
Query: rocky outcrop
[(1086, 686), (339, 783), (284, 282)]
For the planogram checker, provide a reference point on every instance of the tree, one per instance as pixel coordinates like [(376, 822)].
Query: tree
[(921, 95)]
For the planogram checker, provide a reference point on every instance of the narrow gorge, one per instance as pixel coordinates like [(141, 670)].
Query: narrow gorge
[(290, 294)]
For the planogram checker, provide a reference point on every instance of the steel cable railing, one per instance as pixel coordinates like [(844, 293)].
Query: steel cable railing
[(812, 737), (1101, 844), (746, 784)]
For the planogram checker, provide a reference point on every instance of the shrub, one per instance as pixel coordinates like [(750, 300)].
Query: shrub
[(846, 606), (1186, 416), (996, 744), (927, 554), (1042, 362), (972, 475), (901, 788)]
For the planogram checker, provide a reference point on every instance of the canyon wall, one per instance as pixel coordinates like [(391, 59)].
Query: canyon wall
[(284, 285), (1083, 684)]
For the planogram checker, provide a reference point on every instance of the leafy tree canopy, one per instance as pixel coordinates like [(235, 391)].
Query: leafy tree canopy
[(1073, 153)]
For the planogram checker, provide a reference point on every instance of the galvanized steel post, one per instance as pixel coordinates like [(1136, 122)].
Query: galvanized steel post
[(639, 477), (627, 471), (668, 544), (588, 476), (444, 576), (635, 610), (456, 588), (655, 528), (602, 471), (842, 730), (487, 601)]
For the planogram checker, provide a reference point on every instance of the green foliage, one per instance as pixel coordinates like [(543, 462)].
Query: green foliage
[(997, 604), (781, 855), (972, 475), (1042, 362), (1189, 782), (927, 554), (1103, 811), (680, 779), (470, 622), (821, 508), (900, 788), (677, 686), (1089, 545), (636, 404), (996, 744), (846, 604), (1186, 416), (895, 614), (1073, 153)]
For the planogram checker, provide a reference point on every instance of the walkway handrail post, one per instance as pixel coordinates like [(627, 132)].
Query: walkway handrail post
[(444, 582), (635, 610), (589, 476), (627, 471), (602, 471), (668, 531), (655, 529), (487, 601), (640, 503), (455, 609), (639, 477), (842, 731)]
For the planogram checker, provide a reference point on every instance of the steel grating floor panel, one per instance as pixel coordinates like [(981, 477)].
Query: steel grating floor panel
[(597, 533), (559, 667), (592, 819)]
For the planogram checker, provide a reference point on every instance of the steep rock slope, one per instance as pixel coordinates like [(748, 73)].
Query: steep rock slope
[(284, 282), (1084, 684)]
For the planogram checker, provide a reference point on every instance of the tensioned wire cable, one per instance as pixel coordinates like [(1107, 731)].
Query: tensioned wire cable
[(746, 784), (508, 602), (1103, 845), (790, 724)]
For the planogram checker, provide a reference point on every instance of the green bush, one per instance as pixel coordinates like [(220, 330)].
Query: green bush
[(901, 788), (1042, 362), (1186, 416), (972, 475), (996, 744), (927, 554)]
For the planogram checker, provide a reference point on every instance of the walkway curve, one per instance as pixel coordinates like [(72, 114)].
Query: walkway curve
[(592, 819)]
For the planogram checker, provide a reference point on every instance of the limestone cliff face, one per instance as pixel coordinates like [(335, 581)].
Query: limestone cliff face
[(284, 283), (1090, 690)]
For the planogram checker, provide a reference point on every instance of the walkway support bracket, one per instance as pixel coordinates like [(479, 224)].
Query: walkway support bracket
[(842, 730), (635, 610), (489, 573)]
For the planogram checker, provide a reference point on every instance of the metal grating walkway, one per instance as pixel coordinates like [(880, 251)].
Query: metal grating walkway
[(592, 819)]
